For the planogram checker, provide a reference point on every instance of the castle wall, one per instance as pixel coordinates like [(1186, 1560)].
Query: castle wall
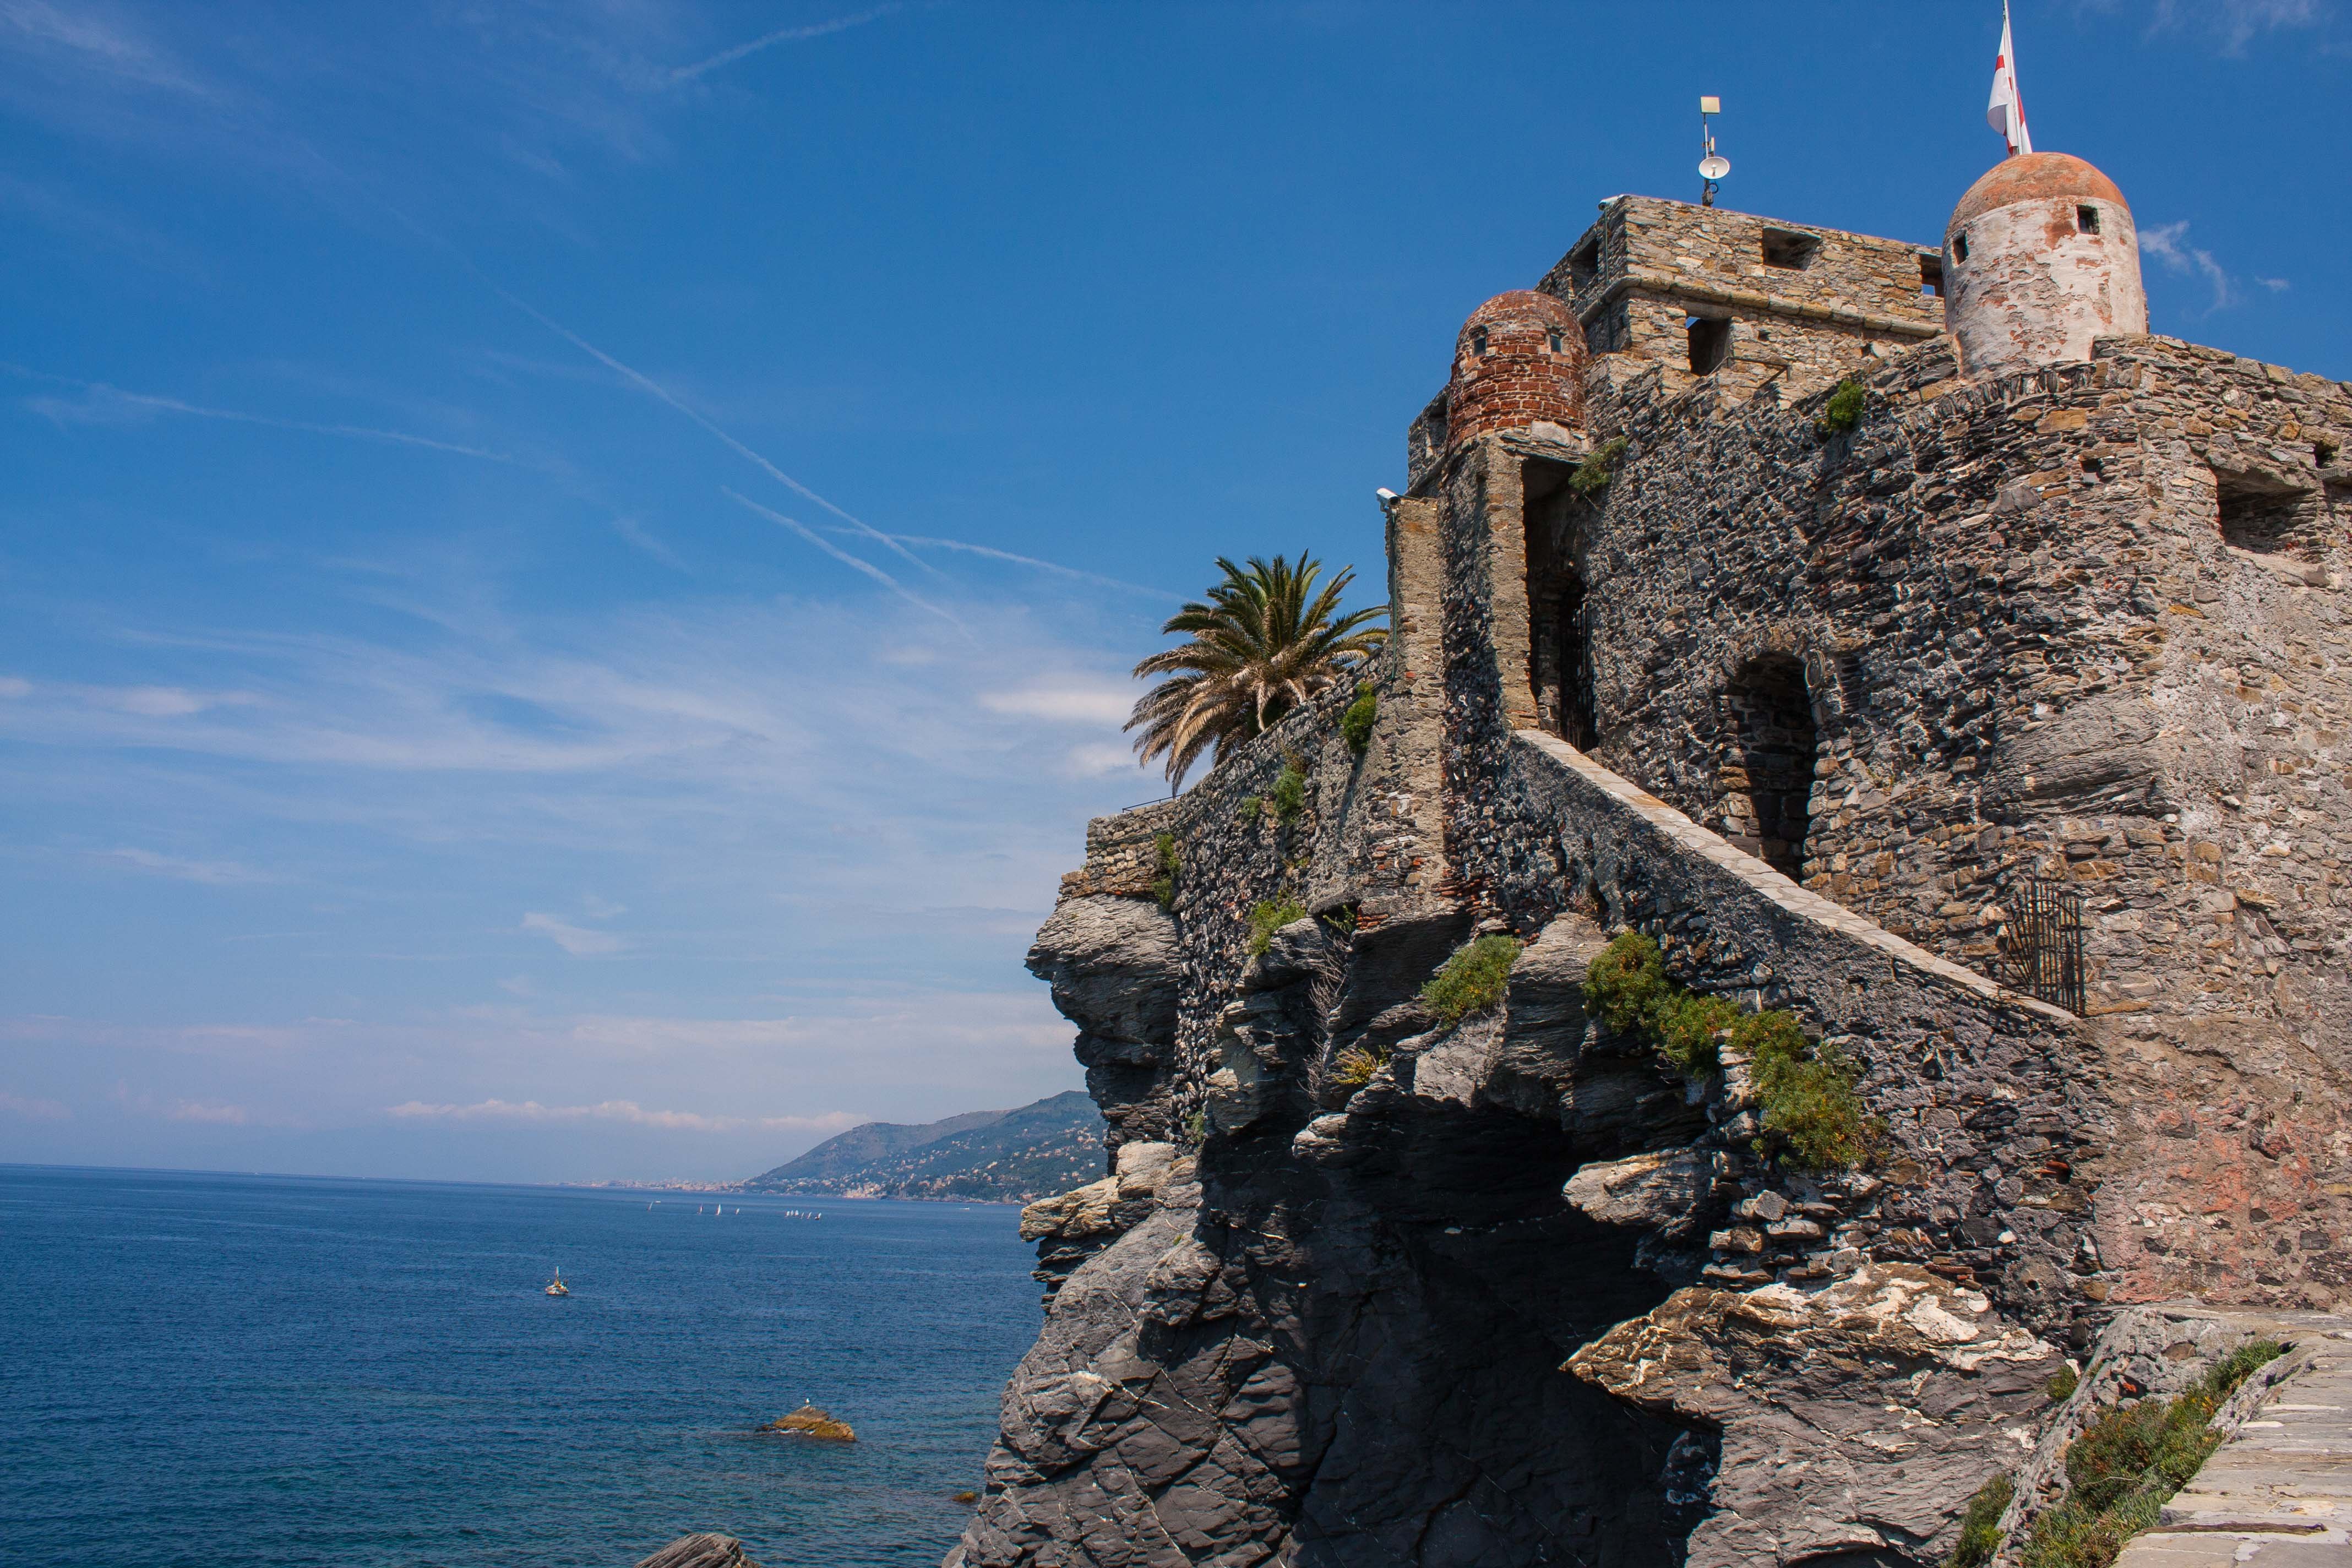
[(1637, 276), (2029, 653)]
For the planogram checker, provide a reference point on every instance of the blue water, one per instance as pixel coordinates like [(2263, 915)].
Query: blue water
[(209, 1370)]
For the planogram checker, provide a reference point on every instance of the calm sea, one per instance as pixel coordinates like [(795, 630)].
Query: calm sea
[(209, 1370)]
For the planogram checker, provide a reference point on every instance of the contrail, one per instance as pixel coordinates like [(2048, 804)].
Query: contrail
[(995, 555), (782, 36), (844, 556), (655, 387), (173, 406)]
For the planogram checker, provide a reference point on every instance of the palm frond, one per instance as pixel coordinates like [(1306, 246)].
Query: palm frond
[(1263, 641)]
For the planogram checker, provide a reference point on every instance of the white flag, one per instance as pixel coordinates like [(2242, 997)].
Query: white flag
[(2006, 113)]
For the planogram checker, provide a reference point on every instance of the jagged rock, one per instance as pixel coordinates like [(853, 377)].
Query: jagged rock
[(1857, 1418), (1671, 1192), (700, 1552), (1074, 1227), (1112, 962)]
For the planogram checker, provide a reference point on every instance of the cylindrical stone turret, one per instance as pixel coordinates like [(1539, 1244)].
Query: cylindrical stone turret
[(1519, 362), (2041, 257)]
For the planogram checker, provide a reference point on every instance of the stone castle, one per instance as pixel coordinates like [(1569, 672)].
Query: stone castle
[(1903, 637)]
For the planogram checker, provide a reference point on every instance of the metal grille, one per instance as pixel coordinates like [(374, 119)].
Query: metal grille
[(2041, 948)]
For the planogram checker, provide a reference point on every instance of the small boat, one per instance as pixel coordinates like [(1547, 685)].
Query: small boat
[(556, 1286)]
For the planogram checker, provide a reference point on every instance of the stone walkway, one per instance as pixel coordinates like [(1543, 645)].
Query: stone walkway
[(2279, 1493)]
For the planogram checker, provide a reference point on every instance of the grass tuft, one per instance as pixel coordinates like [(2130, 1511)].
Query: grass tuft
[(1981, 1526), (1269, 916), (1593, 475), (1354, 1066), (1288, 798), (1472, 980), (1355, 723), (1165, 869)]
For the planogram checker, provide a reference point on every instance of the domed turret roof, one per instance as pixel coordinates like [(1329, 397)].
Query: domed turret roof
[(1522, 307), (2034, 176)]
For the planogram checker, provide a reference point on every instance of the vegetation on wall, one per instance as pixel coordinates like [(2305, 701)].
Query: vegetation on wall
[(1812, 1115), (1355, 723), (1472, 979), (1164, 869), (1265, 640), (2129, 1461), (1354, 1066), (1288, 797), (1600, 466), (1844, 410), (1269, 916), (1981, 1526)]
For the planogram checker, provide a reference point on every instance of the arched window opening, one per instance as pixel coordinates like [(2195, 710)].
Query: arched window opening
[(1766, 775)]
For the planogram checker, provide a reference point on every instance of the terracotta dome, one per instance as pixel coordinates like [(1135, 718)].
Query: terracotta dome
[(1518, 361), (2041, 261), (2034, 176)]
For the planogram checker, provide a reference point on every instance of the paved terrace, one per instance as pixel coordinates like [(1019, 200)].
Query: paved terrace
[(2278, 1493)]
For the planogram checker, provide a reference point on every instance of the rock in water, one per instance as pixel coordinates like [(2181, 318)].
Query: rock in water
[(811, 1422), (700, 1552)]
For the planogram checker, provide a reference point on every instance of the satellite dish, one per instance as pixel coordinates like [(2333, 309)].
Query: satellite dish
[(1714, 167)]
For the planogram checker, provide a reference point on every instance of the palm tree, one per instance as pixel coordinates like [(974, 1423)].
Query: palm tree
[(1264, 643)]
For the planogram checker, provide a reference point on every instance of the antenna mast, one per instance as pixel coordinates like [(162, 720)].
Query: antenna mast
[(1712, 165)]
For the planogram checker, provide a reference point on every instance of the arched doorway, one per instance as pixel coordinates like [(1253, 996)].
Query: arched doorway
[(1766, 771)]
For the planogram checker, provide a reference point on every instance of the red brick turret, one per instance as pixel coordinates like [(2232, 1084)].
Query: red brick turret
[(1518, 361)]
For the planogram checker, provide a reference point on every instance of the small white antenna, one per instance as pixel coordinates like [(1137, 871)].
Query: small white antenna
[(1712, 165)]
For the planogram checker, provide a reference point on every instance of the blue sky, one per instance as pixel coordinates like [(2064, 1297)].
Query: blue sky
[(567, 571)]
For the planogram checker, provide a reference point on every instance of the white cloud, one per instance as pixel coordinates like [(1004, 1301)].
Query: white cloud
[(34, 1109), (1094, 761), (164, 701), (10, 686), (2275, 285), (598, 909), (577, 941), (217, 872), (2168, 243), (623, 1111), (1065, 704)]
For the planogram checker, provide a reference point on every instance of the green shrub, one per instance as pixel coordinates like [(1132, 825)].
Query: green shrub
[(1355, 723), (2129, 1461), (1165, 865), (1269, 916), (1342, 918), (1813, 1117), (1472, 979), (1844, 410), (1251, 805), (1600, 467), (2062, 1384), (1288, 798), (1981, 1526), (1354, 1066)]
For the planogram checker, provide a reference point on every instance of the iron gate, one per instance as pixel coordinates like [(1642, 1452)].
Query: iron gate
[(2041, 946)]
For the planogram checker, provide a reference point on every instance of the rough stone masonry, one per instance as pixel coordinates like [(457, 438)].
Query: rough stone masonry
[(1975, 689)]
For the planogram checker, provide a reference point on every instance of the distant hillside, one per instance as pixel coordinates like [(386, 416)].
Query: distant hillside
[(985, 1155)]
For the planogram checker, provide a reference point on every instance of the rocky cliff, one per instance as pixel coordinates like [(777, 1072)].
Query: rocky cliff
[(1363, 1285)]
